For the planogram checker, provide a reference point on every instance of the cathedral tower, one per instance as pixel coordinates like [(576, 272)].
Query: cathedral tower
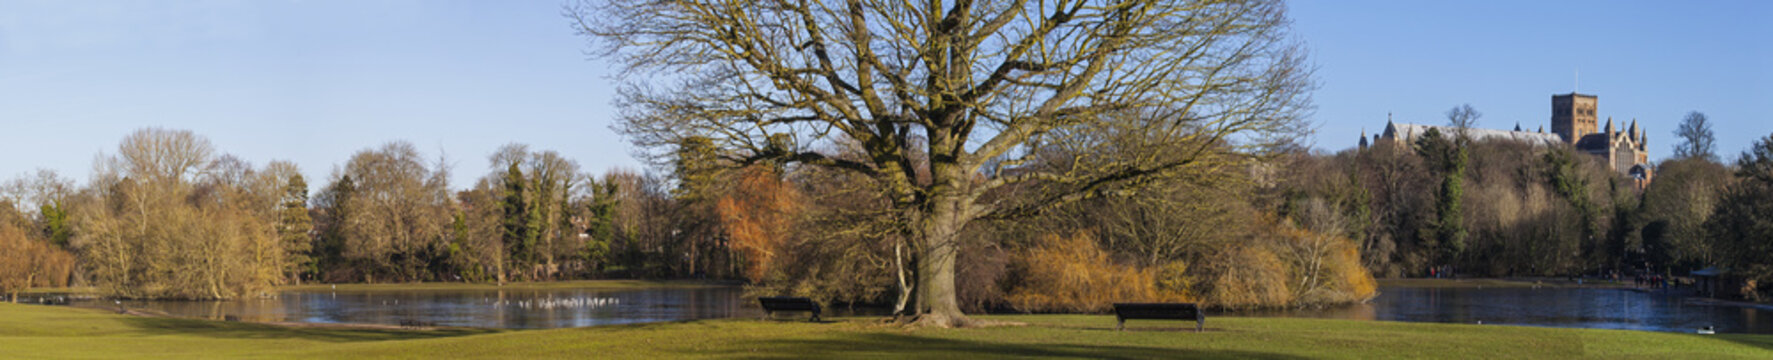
[(1573, 115)]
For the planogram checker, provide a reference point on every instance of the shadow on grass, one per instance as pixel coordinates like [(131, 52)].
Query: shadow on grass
[(236, 330), (1763, 342), (797, 321), (917, 347)]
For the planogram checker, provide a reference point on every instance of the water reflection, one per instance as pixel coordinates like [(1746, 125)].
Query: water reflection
[(549, 308), (556, 308), (1558, 307)]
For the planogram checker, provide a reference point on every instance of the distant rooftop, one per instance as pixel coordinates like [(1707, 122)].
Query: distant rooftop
[(1411, 131)]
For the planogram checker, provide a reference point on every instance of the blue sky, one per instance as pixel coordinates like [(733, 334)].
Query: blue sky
[(1650, 60), (314, 81), (311, 82)]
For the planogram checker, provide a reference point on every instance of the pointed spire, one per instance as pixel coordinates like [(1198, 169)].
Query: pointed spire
[(1541, 128), (1633, 133), (1363, 138), (1610, 127), (1517, 126)]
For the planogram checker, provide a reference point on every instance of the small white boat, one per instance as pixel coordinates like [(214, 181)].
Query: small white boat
[(1707, 331)]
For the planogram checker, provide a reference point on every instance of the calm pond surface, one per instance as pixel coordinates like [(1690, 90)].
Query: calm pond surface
[(555, 308), (518, 309), (1599, 308)]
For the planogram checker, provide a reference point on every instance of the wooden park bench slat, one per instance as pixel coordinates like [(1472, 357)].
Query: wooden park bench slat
[(783, 303), (1159, 311)]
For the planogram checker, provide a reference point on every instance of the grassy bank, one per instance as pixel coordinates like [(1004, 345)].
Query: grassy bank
[(59, 332)]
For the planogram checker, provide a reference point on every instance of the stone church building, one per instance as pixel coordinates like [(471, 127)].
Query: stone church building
[(1573, 123)]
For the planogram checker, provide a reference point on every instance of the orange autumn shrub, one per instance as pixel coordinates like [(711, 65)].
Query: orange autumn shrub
[(27, 262), (759, 213), (1287, 265), (1357, 281), (1074, 274), (1247, 275), (1324, 268)]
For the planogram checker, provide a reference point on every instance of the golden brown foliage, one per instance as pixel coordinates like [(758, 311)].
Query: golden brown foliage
[(1247, 276), (163, 229), (27, 262), (1074, 274), (843, 246), (1288, 265), (759, 214), (400, 211)]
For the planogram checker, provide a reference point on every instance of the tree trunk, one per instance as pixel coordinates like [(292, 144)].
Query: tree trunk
[(28, 280), (939, 229), (935, 277), (905, 288)]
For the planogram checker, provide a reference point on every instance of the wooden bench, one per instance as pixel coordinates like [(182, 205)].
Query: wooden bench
[(782, 303), (1159, 311), (414, 324)]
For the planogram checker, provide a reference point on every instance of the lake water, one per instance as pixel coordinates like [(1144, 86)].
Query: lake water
[(554, 308), (1557, 307), (517, 309)]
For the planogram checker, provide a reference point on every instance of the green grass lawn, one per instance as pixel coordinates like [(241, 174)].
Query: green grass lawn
[(33, 332)]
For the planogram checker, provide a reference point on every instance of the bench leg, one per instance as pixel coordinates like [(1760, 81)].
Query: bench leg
[(1122, 326), (766, 315), (815, 317), (1200, 323)]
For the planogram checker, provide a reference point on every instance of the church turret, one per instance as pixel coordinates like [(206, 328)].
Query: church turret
[(1390, 128), (1610, 132), (1541, 129), (1517, 126), (1640, 137), (1633, 132), (1363, 139)]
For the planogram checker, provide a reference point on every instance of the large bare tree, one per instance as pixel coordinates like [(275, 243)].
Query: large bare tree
[(969, 85), (399, 209), (1696, 138), (172, 220), (1463, 118)]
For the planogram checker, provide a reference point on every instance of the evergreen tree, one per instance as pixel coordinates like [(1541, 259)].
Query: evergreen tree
[(55, 224), (602, 226), (1743, 222), (1566, 180), (515, 220), (295, 228), (1448, 158), (458, 248), (336, 207), (697, 166)]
